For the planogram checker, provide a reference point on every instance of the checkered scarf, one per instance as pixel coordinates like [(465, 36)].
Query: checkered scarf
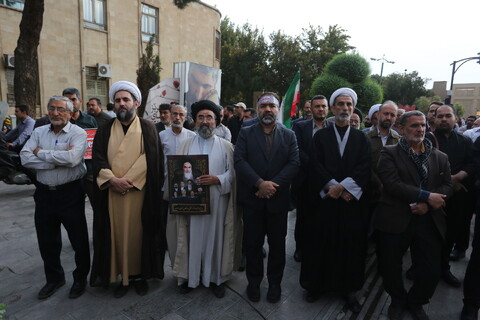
[(420, 160)]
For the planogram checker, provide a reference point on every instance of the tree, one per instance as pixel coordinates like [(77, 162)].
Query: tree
[(148, 73), (423, 102), (181, 4), (26, 56), (403, 88), (351, 67)]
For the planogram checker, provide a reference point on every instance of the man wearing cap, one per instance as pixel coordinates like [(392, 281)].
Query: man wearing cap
[(235, 122), (128, 236), (202, 248), (266, 161), (334, 256), (304, 131)]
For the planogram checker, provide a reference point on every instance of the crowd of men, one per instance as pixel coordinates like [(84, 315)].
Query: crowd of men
[(407, 183)]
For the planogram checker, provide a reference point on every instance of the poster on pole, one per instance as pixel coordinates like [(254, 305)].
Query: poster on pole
[(166, 91), (187, 195)]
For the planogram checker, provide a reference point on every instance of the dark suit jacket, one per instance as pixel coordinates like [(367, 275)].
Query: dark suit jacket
[(303, 131), (253, 163), (401, 187)]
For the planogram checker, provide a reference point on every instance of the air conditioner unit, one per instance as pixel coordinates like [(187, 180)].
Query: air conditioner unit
[(104, 70), (9, 60)]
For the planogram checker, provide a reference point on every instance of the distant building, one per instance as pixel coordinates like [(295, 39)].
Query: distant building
[(90, 44), (466, 94)]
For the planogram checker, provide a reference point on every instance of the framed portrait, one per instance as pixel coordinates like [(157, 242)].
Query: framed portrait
[(187, 196)]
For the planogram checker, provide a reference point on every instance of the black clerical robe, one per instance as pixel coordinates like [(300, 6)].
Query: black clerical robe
[(336, 230)]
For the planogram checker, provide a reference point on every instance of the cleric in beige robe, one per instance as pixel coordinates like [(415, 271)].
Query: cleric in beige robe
[(204, 249), (129, 238)]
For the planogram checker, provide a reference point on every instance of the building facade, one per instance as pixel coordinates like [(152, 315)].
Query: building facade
[(468, 95), (89, 44)]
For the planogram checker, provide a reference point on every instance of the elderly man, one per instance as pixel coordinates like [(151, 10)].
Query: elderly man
[(334, 257), (356, 119), (94, 108), (80, 118), (459, 207), (202, 247), (266, 161), (304, 131), (56, 151), (172, 138), (307, 113), (382, 135), (129, 239), (416, 180), (17, 137)]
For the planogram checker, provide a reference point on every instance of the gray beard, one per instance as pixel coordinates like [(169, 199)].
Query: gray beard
[(205, 131), (267, 120)]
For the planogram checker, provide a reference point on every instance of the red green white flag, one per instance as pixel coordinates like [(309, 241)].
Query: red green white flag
[(290, 101)]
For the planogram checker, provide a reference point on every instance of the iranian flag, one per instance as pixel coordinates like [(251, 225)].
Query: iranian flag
[(290, 101)]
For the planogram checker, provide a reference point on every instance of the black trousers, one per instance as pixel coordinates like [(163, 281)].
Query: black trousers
[(471, 284), (258, 222), (53, 208), (425, 245)]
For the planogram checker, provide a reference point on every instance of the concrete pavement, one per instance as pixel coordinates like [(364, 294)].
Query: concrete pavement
[(21, 277)]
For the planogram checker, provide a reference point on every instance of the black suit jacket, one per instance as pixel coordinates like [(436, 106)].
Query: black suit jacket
[(252, 163), (303, 131), (401, 187)]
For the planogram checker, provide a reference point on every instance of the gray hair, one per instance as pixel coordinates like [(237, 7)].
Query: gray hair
[(388, 103), (180, 106), (62, 98), (406, 115)]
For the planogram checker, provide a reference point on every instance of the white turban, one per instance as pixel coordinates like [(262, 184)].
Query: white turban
[(373, 109), (125, 86), (344, 92)]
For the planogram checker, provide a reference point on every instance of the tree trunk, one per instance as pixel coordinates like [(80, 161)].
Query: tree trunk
[(26, 56)]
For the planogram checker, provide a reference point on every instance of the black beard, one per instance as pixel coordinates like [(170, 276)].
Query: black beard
[(319, 118), (385, 125), (125, 116)]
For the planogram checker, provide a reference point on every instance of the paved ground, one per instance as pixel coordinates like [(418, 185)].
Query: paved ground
[(21, 277)]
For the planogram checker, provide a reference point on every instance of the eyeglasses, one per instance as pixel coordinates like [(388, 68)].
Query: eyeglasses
[(59, 109)]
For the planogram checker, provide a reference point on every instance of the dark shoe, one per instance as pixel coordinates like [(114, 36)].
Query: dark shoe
[(184, 288), (450, 279), (456, 255), (469, 313), (312, 296), (243, 263), (253, 293), (49, 289), (410, 274), (352, 303), (78, 288), (141, 286), (120, 291), (417, 313), (274, 293), (395, 310), (297, 256), (218, 291)]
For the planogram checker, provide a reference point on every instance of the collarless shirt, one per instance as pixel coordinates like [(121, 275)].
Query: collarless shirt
[(54, 164)]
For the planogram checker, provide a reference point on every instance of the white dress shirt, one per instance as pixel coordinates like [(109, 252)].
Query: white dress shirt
[(54, 164)]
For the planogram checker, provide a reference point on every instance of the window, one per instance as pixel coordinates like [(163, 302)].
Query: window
[(218, 44), (149, 23), (94, 14), (17, 4), (96, 87), (10, 74)]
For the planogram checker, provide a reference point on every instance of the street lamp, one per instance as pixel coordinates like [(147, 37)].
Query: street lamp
[(455, 69), (383, 61)]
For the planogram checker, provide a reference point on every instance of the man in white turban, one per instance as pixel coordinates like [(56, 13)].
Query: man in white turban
[(128, 234), (334, 256)]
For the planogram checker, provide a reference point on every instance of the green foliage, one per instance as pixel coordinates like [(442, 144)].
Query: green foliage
[(327, 84), (423, 102), (3, 309), (351, 67), (369, 93), (460, 109), (148, 74), (403, 88), (181, 4)]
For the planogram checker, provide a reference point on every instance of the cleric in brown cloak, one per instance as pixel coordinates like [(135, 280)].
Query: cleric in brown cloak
[(128, 168)]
